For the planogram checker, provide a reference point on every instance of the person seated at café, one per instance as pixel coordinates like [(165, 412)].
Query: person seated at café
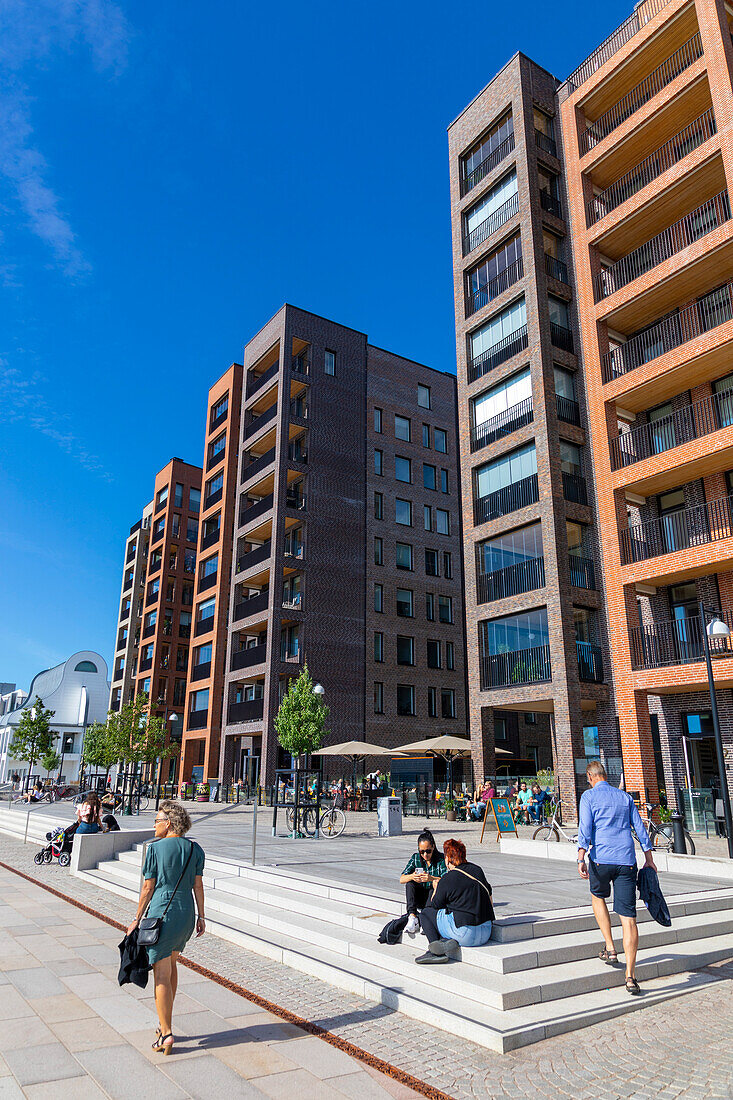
[(510, 792), (477, 808), (34, 795), (521, 804), (461, 912), (424, 869), (537, 804)]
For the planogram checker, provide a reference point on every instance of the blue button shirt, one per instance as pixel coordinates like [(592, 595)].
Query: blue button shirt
[(606, 817)]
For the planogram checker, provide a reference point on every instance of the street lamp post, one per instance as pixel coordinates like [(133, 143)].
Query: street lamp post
[(173, 718), (716, 628)]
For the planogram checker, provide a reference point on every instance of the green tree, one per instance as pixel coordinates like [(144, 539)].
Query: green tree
[(136, 736), (301, 720), (50, 761), (100, 747), (33, 738)]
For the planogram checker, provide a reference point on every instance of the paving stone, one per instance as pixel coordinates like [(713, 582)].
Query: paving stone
[(205, 1077), (76, 1088), (126, 1075), (37, 982), (298, 1083), (34, 1065), (79, 1035)]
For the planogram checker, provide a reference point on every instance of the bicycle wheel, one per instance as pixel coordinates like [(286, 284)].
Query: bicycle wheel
[(144, 803), (333, 823), (290, 818), (668, 843), (308, 821), (546, 832)]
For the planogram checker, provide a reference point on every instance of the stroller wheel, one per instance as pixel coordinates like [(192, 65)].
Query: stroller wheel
[(38, 857), (47, 857), (64, 859)]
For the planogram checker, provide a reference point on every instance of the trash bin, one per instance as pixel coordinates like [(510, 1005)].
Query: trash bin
[(389, 816)]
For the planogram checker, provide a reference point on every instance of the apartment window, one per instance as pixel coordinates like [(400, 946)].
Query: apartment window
[(175, 525), (189, 561), (431, 563), (515, 633), (378, 421), (178, 495), (293, 543), (428, 517), (378, 698), (150, 619), (289, 642), (202, 654), (329, 362), (498, 329), (496, 403), (530, 718), (192, 530), (570, 462), (564, 383), (445, 609), (146, 686), (378, 597), (403, 555), (181, 658), (211, 526), (162, 497), (159, 527), (428, 476), (206, 609), (220, 408), (378, 646), (170, 590), (501, 729), (126, 606), (402, 428), (147, 652), (480, 278), (184, 624), (405, 650), (187, 594), (173, 557), (442, 521), (510, 549), (179, 693), (433, 653), (403, 512), (447, 703), (507, 470), (426, 435), (378, 551), (404, 604), (378, 506), (403, 469), (211, 565), (405, 699), (154, 588), (447, 564), (444, 481), (432, 703), (449, 656), (559, 312), (423, 396), (440, 440), (430, 607), (199, 700), (379, 463), (218, 446)]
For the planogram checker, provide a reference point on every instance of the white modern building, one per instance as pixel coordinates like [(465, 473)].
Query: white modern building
[(78, 692)]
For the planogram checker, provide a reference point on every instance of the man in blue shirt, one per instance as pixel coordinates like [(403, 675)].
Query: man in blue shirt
[(606, 817)]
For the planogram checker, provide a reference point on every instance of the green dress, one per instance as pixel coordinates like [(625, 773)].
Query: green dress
[(164, 861)]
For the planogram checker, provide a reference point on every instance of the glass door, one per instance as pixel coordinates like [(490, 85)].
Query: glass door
[(686, 622)]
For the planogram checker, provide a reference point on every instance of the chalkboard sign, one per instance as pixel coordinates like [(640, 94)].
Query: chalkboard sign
[(502, 813)]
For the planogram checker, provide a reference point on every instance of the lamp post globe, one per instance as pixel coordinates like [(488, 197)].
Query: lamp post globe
[(319, 689), (716, 628)]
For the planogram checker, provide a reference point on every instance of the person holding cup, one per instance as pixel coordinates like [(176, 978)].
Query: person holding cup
[(424, 870)]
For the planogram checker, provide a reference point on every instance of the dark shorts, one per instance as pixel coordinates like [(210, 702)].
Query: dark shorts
[(601, 875)]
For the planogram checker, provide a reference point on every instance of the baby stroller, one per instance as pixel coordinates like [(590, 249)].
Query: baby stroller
[(59, 846)]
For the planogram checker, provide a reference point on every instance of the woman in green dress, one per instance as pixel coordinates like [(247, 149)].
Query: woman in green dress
[(165, 861)]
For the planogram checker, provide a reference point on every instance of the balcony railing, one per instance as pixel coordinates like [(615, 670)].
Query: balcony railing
[(690, 422), (668, 243), (247, 711), (252, 606), (523, 576), (509, 499), (297, 501), (680, 530), (211, 538), (545, 143), (257, 464), (501, 425), (246, 658), (253, 557), (118, 674), (674, 150), (582, 572), (671, 332), (567, 409), (525, 666), (498, 353), (253, 424), (202, 671), (508, 277), (198, 719), (556, 269), (294, 604), (488, 164), (252, 511), (550, 203), (213, 498), (299, 364), (574, 488), (562, 337), (590, 662), (490, 224), (659, 78), (675, 642), (643, 12), (255, 382)]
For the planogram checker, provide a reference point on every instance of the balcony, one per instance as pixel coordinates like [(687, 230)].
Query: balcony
[(294, 604), (154, 566), (582, 572), (680, 530), (524, 576), (148, 630), (202, 671), (490, 224), (255, 382), (590, 663), (671, 332), (562, 337), (255, 465), (675, 642), (246, 658), (198, 719), (524, 666), (509, 499), (146, 664), (209, 581), (298, 411), (253, 557), (210, 539), (567, 409), (501, 425), (668, 243), (119, 673), (479, 298), (634, 100), (296, 501), (693, 421), (498, 353), (488, 164), (574, 488), (252, 511), (252, 606), (643, 12), (545, 143), (215, 458), (248, 711), (550, 203), (253, 424), (299, 364), (213, 498), (556, 269), (203, 626)]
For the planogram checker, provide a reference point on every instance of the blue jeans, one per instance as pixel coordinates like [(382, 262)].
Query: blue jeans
[(469, 935)]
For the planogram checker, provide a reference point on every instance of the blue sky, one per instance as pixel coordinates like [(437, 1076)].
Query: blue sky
[(170, 173)]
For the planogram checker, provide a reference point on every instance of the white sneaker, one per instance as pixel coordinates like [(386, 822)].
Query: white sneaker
[(413, 925)]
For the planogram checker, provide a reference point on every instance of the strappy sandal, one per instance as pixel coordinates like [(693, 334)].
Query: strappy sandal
[(161, 1046), (633, 987), (610, 957)]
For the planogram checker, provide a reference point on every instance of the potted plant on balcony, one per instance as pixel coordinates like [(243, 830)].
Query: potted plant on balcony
[(450, 809), (202, 792)]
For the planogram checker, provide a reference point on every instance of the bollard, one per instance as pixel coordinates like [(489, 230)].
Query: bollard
[(27, 820), (254, 832), (679, 846)]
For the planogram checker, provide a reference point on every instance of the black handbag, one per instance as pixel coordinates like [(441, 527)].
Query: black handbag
[(148, 930)]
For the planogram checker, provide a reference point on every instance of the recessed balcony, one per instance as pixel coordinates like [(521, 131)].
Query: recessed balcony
[(256, 464), (524, 666), (477, 299), (198, 719), (252, 424), (568, 409), (490, 224), (244, 609), (254, 510), (523, 576), (249, 710), (253, 557), (512, 497), (498, 353), (562, 337), (678, 530), (582, 572), (546, 143), (675, 642), (556, 269), (574, 488), (247, 658), (693, 421), (487, 165), (630, 27), (590, 663), (255, 381), (502, 425), (550, 203)]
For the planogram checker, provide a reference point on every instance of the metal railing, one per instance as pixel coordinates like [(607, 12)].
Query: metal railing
[(248, 710), (257, 381), (679, 530), (679, 146), (478, 298), (498, 353), (643, 12), (556, 269), (670, 241), (253, 557), (545, 142), (675, 642), (258, 464), (524, 666), (509, 499), (582, 572), (501, 425), (252, 511), (488, 164), (245, 658), (490, 224), (253, 424), (574, 488), (687, 54), (252, 606), (299, 363), (561, 337), (671, 332), (567, 409), (550, 203), (690, 422), (523, 576), (590, 662)]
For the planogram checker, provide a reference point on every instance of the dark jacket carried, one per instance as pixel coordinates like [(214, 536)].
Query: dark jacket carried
[(134, 965), (651, 894), (392, 931)]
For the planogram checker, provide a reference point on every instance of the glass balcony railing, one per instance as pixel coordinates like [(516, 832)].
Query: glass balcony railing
[(502, 425), (488, 164)]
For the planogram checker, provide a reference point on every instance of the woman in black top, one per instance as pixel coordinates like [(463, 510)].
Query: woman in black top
[(461, 912)]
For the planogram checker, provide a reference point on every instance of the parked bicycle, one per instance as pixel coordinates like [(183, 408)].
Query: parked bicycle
[(662, 836), (553, 830), (331, 823)]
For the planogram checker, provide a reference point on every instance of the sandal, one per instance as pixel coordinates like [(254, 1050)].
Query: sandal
[(161, 1046), (609, 957), (633, 987)]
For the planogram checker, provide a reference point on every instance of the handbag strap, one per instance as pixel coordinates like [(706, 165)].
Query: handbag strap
[(180, 878), (478, 881)]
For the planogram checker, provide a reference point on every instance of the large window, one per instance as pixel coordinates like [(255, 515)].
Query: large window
[(215, 484), (496, 401), (559, 311), (570, 462), (478, 279), (194, 500), (211, 565), (403, 512), (218, 446), (404, 603), (402, 428), (507, 470), (499, 194), (442, 521), (402, 469), (403, 555), (206, 609), (200, 700), (499, 328), (564, 383), (405, 699), (405, 650), (491, 141), (510, 549), (202, 654), (220, 408), (513, 633)]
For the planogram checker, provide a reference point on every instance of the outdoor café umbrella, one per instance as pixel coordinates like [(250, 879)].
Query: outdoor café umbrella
[(449, 747), (355, 750)]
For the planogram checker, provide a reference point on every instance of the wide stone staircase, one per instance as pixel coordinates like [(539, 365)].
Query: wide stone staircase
[(539, 976)]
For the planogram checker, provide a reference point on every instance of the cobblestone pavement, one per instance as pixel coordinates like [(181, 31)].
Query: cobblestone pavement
[(678, 1049)]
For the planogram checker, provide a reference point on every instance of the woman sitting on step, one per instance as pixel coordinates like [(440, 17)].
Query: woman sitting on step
[(460, 913), (424, 870)]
